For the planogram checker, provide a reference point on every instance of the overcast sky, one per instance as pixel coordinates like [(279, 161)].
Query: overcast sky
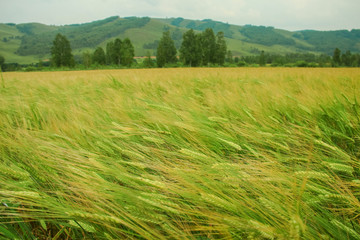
[(284, 14)]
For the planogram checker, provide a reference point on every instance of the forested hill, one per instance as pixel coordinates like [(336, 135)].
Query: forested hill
[(29, 42)]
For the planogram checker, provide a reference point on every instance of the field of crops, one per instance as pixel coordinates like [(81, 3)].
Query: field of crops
[(246, 153)]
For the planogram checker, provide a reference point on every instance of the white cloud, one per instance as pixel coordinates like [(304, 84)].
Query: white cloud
[(253, 14)]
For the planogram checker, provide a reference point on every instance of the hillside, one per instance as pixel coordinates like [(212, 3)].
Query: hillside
[(31, 42)]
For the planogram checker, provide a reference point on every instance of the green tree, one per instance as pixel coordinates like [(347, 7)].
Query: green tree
[(2, 62), (127, 52), (221, 48), (356, 60), (114, 51), (87, 59), (148, 62), (208, 45), (262, 59), (166, 50), (337, 57), (61, 52), (346, 59), (40, 64), (117, 51), (191, 50), (99, 56), (110, 53), (229, 57)]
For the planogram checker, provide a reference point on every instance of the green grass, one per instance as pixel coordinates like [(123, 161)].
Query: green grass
[(180, 154)]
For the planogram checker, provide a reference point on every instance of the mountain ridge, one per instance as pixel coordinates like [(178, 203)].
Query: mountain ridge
[(31, 42)]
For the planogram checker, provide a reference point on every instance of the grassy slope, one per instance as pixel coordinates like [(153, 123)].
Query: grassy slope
[(9, 48), (147, 34), (36, 28), (255, 153)]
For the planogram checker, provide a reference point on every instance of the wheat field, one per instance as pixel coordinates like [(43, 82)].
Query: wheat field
[(207, 153)]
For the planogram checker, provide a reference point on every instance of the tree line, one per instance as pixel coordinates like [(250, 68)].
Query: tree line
[(197, 49), (338, 59), (346, 59), (118, 52), (200, 49)]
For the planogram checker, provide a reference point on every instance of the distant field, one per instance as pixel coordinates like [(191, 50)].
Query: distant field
[(243, 153)]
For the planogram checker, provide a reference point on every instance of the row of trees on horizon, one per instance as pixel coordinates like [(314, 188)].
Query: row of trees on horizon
[(118, 52), (197, 49)]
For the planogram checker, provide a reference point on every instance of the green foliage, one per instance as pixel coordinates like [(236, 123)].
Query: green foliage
[(221, 48), (203, 48), (326, 41), (166, 50), (99, 56), (110, 55), (87, 59), (208, 45), (34, 28), (337, 57), (2, 62), (262, 59), (61, 55), (176, 35), (148, 62), (120, 52), (356, 60), (177, 21), (346, 58), (301, 64), (229, 57), (267, 36), (128, 53), (290, 60), (191, 49), (205, 24), (117, 52)]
